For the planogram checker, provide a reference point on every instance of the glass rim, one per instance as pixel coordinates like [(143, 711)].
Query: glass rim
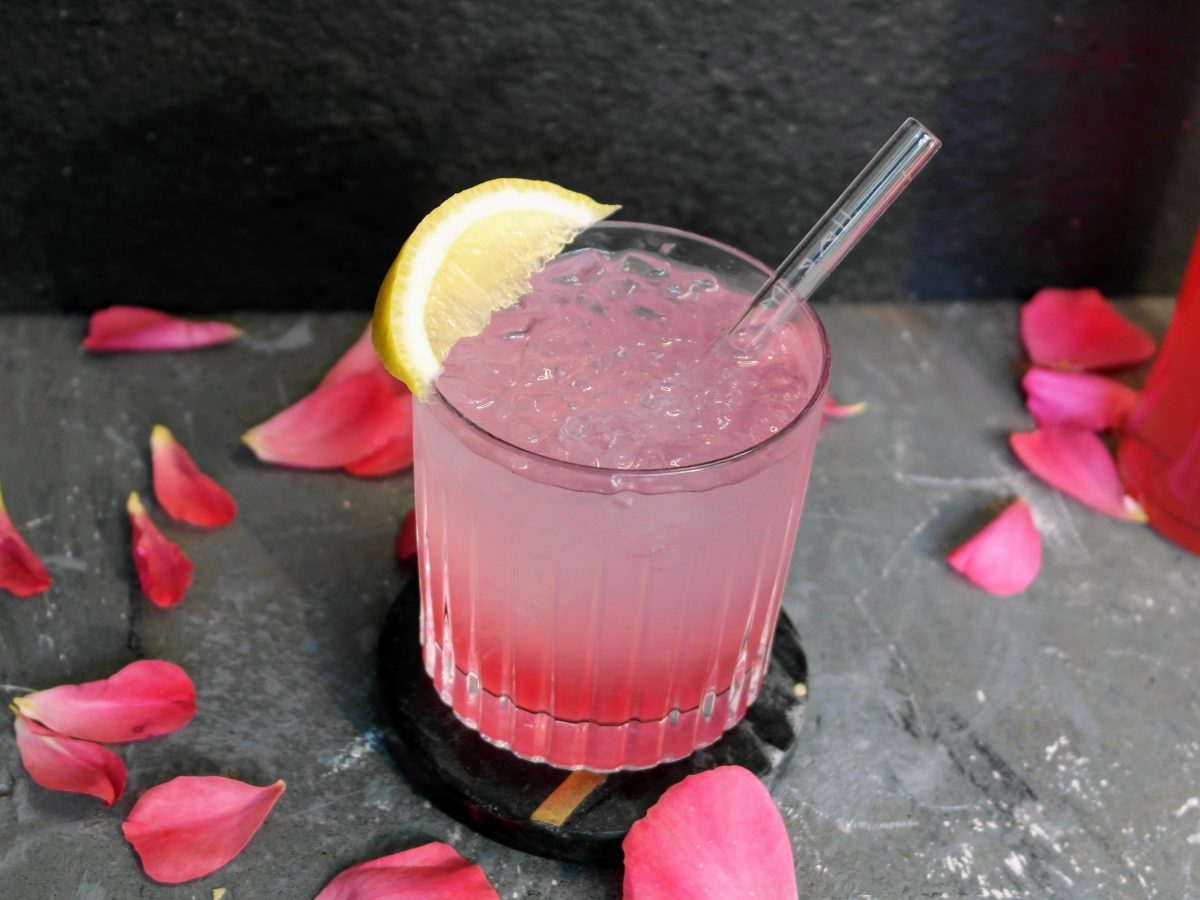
[(817, 391)]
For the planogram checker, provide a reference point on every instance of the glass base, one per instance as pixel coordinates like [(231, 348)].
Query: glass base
[(597, 747), (496, 793)]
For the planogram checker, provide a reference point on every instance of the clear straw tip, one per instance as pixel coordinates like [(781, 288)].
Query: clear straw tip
[(862, 203)]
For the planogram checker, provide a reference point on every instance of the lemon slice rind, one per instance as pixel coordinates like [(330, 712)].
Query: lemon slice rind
[(469, 257)]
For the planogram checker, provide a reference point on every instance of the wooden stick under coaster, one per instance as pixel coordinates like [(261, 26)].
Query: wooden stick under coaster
[(565, 799)]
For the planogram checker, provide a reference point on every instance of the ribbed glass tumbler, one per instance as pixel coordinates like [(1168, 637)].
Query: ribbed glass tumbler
[(608, 619)]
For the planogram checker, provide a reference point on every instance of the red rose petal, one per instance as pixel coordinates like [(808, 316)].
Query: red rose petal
[(61, 763), (396, 453), (336, 425), (192, 825), (406, 537), (21, 572), (723, 818), (182, 489), (433, 871), (163, 570), (138, 328), (1005, 556), (1079, 329), (1076, 462), (835, 410), (143, 700), (1077, 398)]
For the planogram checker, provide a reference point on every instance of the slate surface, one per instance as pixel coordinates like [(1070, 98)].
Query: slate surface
[(956, 744)]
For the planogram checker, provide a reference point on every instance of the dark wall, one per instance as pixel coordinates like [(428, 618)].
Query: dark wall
[(239, 153)]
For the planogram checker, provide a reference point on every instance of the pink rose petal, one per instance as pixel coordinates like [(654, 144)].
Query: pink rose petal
[(395, 454), (21, 572), (361, 357), (186, 493), (61, 763), (432, 871), (192, 825), (1079, 329), (723, 818), (138, 328), (406, 537), (1077, 398), (163, 570), (1005, 556), (1076, 462), (835, 410), (143, 700), (336, 425)]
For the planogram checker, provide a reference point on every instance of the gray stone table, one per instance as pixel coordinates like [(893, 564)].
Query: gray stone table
[(956, 745)]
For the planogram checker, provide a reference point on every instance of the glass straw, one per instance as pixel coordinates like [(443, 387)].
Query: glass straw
[(860, 206)]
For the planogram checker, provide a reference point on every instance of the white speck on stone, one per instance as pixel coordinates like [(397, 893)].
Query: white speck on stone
[(981, 696), (1016, 863), (354, 752), (1191, 803), (295, 337), (1055, 747), (960, 866), (1194, 839), (64, 561)]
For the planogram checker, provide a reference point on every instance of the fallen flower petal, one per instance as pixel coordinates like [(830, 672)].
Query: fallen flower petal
[(21, 572), (192, 825), (433, 871), (1076, 462), (336, 425), (182, 489), (1077, 398), (835, 410), (1005, 556), (724, 817), (162, 568), (143, 700), (1079, 329), (138, 328), (406, 537), (361, 357), (395, 454), (62, 763)]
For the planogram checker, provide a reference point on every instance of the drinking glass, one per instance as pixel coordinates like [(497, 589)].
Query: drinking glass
[(609, 619)]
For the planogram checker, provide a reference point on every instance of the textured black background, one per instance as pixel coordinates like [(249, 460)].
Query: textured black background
[(239, 153)]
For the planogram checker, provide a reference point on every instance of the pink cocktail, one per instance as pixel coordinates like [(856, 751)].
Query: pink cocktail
[(606, 514)]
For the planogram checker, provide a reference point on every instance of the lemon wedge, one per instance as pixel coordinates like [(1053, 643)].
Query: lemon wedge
[(468, 258)]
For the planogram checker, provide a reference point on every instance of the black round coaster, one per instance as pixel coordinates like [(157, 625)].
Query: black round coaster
[(495, 792)]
